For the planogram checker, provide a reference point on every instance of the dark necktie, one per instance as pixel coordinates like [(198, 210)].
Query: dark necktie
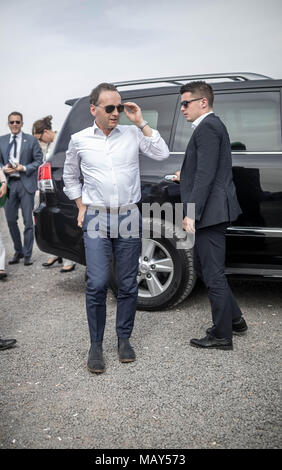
[(11, 144), (15, 146)]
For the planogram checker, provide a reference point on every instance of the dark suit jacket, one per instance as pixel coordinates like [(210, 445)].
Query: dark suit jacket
[(206, 175), (30, 156)]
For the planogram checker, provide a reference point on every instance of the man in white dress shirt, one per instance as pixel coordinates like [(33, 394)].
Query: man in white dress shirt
[(107, 155)]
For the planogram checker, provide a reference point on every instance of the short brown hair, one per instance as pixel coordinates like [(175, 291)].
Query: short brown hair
[(40, 125), (16, 113), (199, 88), (95, 93)]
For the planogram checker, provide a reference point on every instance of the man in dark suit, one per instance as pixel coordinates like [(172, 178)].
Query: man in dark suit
[(20, 157), (207, 187)]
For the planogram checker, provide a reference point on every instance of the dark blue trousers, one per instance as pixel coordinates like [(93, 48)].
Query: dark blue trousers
[(20, 198), (101, 241), (209, 264)]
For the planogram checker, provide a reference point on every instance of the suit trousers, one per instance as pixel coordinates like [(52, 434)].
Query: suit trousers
[(19, 197), (209, 264), (100, 244)]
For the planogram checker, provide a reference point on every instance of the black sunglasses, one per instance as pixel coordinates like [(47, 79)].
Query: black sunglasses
[(111, 107), (186, 103), (14, 122)]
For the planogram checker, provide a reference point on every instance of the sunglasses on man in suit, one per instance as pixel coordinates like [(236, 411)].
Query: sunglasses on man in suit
[(186, 103)]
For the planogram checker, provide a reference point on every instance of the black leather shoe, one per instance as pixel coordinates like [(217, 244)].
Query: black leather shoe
[(3, 274), (27, 261), (125, 351), (7, 343), (210, 342), (95, 358), (239, 328), (16, 258), (46, 265), (68, 270)]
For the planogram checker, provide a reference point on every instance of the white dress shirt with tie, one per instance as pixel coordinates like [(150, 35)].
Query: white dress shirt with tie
[(11, 155), (109, 164)]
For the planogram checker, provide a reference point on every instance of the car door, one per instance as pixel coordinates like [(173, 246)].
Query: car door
[(253, 120)]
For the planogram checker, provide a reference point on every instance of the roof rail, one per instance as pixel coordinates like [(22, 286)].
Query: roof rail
[(236, 77), (244, 76)]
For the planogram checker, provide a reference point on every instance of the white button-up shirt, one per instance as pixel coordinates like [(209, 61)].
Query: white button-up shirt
[(11, 155), (19, 143), (199, 119), (109, 164)]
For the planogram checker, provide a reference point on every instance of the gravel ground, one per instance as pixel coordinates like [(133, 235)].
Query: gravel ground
[(173, 397)]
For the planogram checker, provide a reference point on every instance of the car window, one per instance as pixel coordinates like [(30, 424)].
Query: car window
[(157, 110), (149, 115), (79, 118), (183, 134), (253, 121)]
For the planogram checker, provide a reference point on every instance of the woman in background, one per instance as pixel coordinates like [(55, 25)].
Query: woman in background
[(43, 132)]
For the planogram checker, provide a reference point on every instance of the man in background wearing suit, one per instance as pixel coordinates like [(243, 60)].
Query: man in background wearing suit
[(20, 157), (206, 181)]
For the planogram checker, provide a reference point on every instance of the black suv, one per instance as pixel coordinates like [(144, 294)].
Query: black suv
[(250, 106)]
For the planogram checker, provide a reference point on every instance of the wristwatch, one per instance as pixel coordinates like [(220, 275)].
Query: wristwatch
[(143, 124)]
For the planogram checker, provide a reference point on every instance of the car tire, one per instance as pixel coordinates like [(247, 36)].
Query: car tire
[(160, 289)]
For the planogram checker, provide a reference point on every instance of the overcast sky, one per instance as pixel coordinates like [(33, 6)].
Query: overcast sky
[(60, 49)]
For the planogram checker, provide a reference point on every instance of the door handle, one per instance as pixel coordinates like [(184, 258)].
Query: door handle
[(170, 177)]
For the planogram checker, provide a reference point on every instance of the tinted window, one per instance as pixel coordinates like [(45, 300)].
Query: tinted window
[(79, 118), (158, 111), (183, 134), (253, 121), (152, 116)]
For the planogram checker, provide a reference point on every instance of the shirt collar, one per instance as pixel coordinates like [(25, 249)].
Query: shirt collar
[(97, 130), (199, 119), (19, 135)]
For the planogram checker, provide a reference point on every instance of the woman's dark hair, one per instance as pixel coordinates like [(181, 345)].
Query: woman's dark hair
[(95, 93), (40, 125)]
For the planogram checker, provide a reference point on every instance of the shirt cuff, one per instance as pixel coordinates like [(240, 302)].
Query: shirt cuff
[(74, 192)]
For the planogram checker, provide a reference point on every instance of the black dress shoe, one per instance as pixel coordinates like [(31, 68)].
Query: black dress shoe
[(16, 258), (239, 328), (7, 343), (63, 270), (46, 265), (95, 358), (125, 351), (27, 261), (210, 342), (3, 274)]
